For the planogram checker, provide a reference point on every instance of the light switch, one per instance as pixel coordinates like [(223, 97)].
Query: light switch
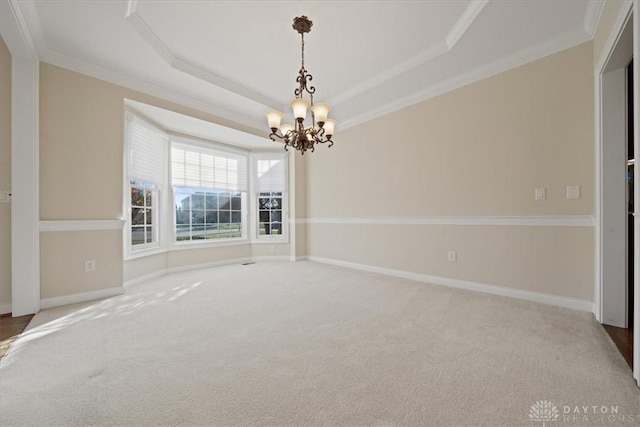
[(541, 194), (573, 192)]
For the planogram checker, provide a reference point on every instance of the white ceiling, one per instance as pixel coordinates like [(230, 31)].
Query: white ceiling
[(236, 59)]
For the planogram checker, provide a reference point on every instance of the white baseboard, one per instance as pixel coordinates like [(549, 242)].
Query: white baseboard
[(208, 265), (142, 279), (81, 297), (6, 308), (571, 303), (268, 258)]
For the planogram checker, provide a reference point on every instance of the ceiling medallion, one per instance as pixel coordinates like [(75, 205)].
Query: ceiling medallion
[(299, 136)]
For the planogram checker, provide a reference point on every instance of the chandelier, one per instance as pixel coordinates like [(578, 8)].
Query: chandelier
[(299, 136)]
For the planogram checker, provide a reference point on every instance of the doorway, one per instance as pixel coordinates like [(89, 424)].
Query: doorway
[(617, 231)]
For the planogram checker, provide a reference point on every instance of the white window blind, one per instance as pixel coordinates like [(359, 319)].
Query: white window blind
[(147, 152), (271, 173), (202, 167)]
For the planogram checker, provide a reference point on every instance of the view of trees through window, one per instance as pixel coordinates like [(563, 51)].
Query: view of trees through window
[(207, 214), (270, 213), (142, 212)]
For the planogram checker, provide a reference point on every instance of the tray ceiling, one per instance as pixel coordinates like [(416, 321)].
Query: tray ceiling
[(236, 59)]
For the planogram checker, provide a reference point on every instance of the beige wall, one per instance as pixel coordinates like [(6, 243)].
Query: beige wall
[(5, 177), (480, 150), (81, 178), (62, 256), (610, 13)]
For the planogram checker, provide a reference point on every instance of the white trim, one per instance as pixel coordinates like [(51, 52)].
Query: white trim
[(598, 70), (182, 268), (401, 68), (613, 37), (271, 258), (464, 22), (81, 297), (5, 308), (592, 16), (479, 73), (565, 302), (25, 239), (179, 64), (141, 279), (82, 225), (538, 221)]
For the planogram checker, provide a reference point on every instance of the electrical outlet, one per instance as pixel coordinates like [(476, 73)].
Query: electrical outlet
[(90, 266), (452, 256), (541, 194), (573, 192)]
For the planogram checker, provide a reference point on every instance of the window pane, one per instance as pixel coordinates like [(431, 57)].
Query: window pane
[(197, 232), (224, 201), (197, 200), (211, 232), (149, 233), (212, 217), (207, 214), (137, 216), (182, 201), (236, 203), (147, 194), (149, 216), (263, 203), (182, 216), (276, 216), (263, 216), (183, 232), (137, 197), (197, 217), (276, 228), (137, 235), (212, 201)]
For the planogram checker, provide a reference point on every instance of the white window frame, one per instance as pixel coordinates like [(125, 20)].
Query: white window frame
[(246, 226), (159, 220), (256, 238)]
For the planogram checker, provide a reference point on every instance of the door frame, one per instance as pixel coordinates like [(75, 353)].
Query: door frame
[(626, 13)]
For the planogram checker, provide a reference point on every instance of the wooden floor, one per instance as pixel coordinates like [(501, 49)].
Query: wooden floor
[(10, 330), (623, 339)]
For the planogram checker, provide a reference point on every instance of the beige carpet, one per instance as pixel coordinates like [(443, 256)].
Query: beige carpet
[(308, 344)]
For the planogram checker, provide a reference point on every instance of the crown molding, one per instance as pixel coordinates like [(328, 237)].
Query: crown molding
[(401, 68), (592, 16), (522, 220), (16, 32), (32, 22), (479, 73), (177, 63), (148, 88), (464, 22)]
